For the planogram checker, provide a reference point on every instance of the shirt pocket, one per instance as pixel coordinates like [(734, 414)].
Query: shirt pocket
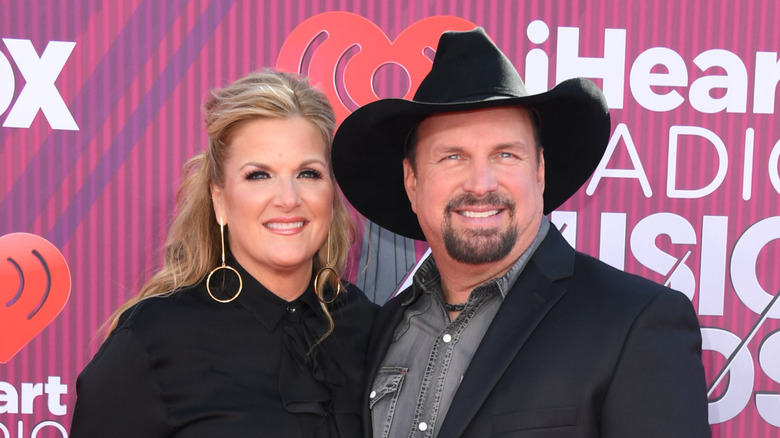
[(384, 398), (527, 420)]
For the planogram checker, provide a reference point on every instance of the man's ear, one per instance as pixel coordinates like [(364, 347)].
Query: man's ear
[(540, 171), (216, 202), (410, 183)]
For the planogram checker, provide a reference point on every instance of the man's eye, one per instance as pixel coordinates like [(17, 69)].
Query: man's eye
[(452, 157), (310, 173)]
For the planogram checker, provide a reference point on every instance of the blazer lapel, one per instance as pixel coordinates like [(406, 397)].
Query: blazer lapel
[(528, 302), (387, 320)]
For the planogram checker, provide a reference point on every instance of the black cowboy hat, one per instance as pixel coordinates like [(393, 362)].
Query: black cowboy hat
[(469, 72)]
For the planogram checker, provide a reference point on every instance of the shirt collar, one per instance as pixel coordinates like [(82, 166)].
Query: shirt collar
[(508, 280), (428, 279), (266, 306)]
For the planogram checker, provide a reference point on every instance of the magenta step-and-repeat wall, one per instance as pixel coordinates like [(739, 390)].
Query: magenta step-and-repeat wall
[(100, 107)]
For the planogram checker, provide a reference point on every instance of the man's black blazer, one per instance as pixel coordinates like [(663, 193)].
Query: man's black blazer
[(577, 349)]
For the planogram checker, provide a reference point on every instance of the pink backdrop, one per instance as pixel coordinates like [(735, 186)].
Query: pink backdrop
[(100, 107)]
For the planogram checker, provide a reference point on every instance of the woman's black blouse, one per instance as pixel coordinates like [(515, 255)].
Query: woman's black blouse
[(188, 366)]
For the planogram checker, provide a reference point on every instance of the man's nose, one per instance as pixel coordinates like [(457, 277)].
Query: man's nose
[(480, 178)]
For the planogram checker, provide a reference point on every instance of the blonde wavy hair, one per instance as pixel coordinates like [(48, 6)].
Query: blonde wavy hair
[(192, 248)]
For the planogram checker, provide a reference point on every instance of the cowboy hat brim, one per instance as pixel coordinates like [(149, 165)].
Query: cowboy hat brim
[(369, 146)]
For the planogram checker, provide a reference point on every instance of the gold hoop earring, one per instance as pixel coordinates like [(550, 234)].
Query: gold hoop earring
[(223, 266), (324, 269)]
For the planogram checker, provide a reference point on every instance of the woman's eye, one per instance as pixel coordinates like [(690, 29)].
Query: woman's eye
[(257, 174), (310, 173)]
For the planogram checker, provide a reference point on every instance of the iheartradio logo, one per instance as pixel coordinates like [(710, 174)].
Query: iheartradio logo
[(345, 53), (34, 287)]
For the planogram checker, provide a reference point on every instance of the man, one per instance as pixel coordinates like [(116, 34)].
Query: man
[(507, 330)]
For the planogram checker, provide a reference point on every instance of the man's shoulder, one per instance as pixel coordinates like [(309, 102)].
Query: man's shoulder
[(397, 300), (589, 268), (605, 283), (560, 261), (390, 311)]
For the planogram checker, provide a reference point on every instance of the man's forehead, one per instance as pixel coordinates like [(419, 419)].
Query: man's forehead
[(486, 119)]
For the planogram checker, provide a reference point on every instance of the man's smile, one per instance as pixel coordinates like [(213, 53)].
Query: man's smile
[(478, 214)]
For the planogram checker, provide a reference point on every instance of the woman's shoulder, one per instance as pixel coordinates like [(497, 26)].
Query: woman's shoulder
[(155, 312), (353, 295), (352, 307)]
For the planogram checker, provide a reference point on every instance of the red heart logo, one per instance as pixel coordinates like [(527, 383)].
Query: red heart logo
[(34, 287), (342, 53)]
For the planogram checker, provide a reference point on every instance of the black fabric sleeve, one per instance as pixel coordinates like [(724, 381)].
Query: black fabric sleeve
[(118, 395), (658, 388)]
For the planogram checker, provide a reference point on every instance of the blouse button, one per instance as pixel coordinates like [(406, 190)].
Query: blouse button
[(373, 394), (423, 426), (446, 338), (291, 309)]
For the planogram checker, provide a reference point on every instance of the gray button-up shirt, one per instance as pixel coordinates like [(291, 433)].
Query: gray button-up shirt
[(429, 354)]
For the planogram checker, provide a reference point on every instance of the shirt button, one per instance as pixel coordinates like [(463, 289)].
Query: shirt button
[(291, 309), (446, 338), (423, 426), (373, 394)]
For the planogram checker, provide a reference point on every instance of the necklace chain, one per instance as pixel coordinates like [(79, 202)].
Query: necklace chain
[(454, 307)]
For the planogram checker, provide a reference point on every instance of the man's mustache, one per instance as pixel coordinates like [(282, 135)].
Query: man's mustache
[(470, 200)]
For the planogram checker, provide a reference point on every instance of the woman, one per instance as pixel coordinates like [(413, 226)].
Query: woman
[(247, 330)]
